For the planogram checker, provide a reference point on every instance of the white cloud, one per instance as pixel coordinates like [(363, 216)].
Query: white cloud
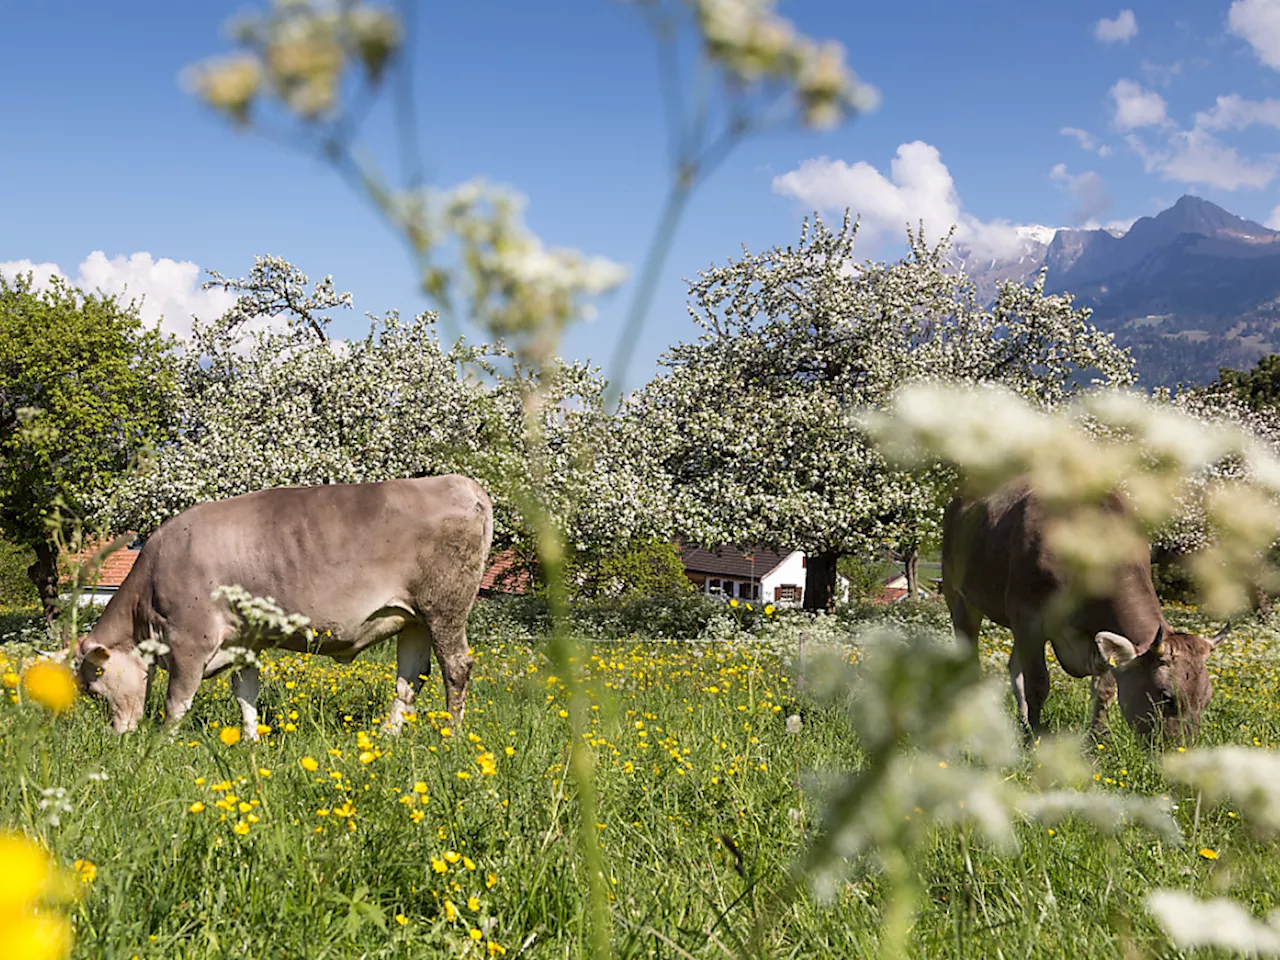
[(168, 292), (919, 188), (1120, 30), (42, 273), (1195, 156), (1158, 73), (1086, 140), (1273, 221), (1087, 189), (1258, 22), (1136, 107), (1234, 112)]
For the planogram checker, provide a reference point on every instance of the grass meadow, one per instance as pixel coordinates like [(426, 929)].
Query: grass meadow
[(328, 840)]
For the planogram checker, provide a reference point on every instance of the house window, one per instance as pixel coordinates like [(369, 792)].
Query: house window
[(787, 591), (713, 586)]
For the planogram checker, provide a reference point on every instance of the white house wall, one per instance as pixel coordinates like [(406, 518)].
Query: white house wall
[(790, 572)]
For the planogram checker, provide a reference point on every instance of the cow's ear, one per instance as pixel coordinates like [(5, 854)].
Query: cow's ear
[(1116, 649), (94, 653)]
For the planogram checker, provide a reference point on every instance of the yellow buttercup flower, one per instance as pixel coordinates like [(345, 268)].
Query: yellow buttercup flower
[(29, 878), (230, 736), (86, 870), (51, 685), (309, 764)]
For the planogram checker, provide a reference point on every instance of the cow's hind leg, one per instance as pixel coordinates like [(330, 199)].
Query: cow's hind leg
[(244, 687), (413, 664), (449, 636)]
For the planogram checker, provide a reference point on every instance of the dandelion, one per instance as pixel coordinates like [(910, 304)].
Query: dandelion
[(86, 871), (1208, 853), (794, 723), (230, 736), (51, 685), (197, 807), (309, 764)]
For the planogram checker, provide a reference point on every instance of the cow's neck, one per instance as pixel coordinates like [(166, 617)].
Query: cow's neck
[(115, 629), (1135, 608)]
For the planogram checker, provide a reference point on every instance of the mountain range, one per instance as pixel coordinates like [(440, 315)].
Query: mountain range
[(1190, 290)]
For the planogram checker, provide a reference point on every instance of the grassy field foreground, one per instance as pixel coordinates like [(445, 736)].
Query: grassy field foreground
[(328, 840)]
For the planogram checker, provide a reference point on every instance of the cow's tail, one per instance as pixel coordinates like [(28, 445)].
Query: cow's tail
[(484, 506)]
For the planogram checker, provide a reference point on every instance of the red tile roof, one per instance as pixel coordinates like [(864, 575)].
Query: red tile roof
[(114, 568), (503, 575)]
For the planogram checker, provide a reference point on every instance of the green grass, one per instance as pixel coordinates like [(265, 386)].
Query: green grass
[(711, 764)]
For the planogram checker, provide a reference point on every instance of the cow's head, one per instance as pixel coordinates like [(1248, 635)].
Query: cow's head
[(117, 676), (1162, 691)]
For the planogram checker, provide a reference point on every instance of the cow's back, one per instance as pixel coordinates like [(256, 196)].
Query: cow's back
[(993, 554), (334, 552)]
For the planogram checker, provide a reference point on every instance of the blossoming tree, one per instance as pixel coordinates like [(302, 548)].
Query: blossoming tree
[(285, 404), (749, 422)]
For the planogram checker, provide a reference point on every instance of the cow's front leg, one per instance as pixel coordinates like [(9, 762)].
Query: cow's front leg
[(450, 638), (1029, 678), (184, 680), (245, 683), (1102, 694), (413, 664)]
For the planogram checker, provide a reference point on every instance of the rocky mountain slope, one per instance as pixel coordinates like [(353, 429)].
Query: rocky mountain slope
[(1190, 290)]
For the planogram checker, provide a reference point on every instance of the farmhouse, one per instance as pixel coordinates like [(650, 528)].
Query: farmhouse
[(100, 589), (753, 573)]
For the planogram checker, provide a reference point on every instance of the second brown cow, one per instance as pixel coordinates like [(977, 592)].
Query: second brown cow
[(995, 564)]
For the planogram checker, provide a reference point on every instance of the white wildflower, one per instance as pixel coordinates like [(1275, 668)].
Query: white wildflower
[(1190, 922)]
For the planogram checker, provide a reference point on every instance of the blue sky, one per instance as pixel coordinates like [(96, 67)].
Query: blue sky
[(105, 152)]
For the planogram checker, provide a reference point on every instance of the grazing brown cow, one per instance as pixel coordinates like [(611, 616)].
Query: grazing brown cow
[(995, 564), (364, 561)]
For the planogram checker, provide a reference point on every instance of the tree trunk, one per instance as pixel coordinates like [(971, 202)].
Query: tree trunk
[(911, 562), (1260, 599), (820, 581), (44, 574)]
